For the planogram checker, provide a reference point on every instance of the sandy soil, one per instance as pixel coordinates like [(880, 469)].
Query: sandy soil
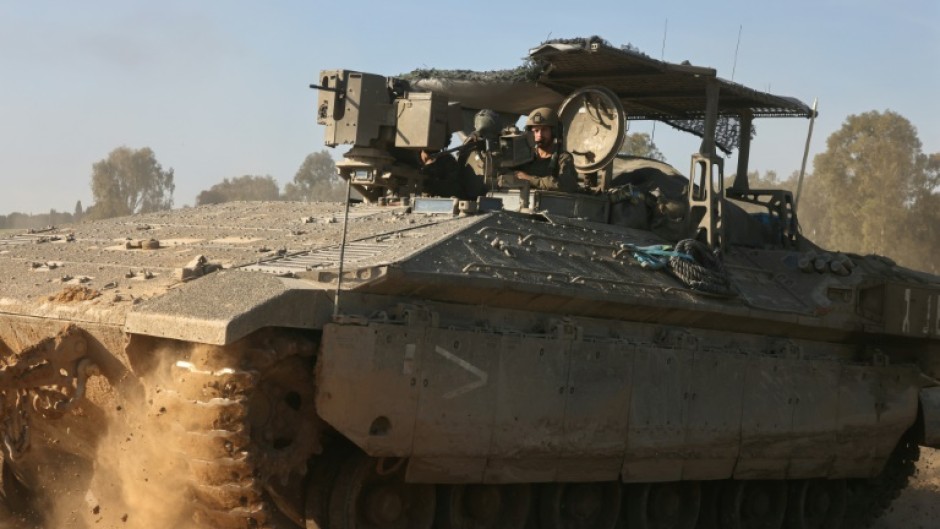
[(918, 507)]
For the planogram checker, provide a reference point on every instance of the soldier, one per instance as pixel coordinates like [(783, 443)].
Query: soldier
[(552, 168), (446, 176), (443, 176)]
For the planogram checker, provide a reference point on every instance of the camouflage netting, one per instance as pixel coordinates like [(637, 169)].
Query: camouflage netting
[(526, 77), (527, 73), (586, 42), (727, 130)]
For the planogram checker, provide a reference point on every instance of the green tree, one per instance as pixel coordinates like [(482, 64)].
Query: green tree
[(16, 220), (769, 180), (924, 224), (316, 180), (871, 190), (247, 187), (640, 144), (130, 181), (77, 215)]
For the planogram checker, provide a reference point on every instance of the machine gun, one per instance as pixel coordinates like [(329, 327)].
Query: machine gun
[(388, 125)]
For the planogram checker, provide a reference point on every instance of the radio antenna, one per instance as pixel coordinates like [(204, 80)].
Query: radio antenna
[(662, 57), (809, 137), (736, 47), (662, 52), (342, 248)]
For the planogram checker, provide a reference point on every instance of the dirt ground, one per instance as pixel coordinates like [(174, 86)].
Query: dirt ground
[(918, 507)]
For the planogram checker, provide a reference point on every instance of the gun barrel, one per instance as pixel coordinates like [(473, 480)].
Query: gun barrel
[(469, 144), (327, 88)]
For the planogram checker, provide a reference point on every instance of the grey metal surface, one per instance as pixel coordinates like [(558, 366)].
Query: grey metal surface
[(659, 410), (930, 401), (497, 404), (228, 305)]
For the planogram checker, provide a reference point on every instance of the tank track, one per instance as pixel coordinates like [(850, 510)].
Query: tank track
[(866, 499), (246, 429)]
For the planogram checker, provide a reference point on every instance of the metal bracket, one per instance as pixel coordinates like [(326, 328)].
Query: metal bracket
[(416, 315), (565, 329)]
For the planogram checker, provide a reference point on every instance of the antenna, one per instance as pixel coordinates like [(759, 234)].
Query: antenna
[(809, 136), (662, 53), (342, 249), (662, 57), (736, 47)]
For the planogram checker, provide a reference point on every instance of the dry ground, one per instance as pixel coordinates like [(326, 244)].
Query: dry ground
[(918, 507)]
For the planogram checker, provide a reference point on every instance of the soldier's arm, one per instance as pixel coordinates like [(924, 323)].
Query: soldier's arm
[(547, 183), (567, 176)]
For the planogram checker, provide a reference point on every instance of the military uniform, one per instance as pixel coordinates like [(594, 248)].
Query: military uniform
[(446, 177), (555, 173)]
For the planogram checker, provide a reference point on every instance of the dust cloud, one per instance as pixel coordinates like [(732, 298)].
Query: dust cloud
[(138, 479)]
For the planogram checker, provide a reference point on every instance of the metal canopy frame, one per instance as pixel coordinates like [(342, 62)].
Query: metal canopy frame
[(653, 89), (648, 89)]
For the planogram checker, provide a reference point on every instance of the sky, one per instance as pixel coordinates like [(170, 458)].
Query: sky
[(219, 89)]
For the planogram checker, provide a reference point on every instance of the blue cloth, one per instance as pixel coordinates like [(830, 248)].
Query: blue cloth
[(655, 256)]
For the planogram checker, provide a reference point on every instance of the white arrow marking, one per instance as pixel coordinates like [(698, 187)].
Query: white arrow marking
[(481, 375)]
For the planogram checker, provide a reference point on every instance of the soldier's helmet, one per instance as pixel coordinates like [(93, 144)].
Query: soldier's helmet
[(542, 117)]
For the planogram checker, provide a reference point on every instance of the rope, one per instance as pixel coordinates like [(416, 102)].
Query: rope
[(704, 271), (692, 262)]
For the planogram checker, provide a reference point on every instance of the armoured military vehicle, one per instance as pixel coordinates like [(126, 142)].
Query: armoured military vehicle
[(655, 350)]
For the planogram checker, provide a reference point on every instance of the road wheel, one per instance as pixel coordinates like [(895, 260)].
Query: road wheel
[(580, 505), (672, 505), (371, 493)]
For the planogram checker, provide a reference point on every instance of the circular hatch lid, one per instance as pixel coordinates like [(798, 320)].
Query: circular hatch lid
[(594, 127)]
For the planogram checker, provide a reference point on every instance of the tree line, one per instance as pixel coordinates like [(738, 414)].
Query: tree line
[(24, 221), (315, 180), (873, 190), (131, 181)]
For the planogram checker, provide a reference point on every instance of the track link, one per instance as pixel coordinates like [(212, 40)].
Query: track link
[(246, 428)]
